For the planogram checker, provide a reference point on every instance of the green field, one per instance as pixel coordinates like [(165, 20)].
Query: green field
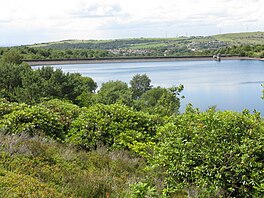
[(247, 38)]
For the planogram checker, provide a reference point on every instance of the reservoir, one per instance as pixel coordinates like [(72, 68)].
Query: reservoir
[(229, 84)]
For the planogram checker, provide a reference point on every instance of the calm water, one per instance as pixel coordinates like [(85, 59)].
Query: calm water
[(231, 84)]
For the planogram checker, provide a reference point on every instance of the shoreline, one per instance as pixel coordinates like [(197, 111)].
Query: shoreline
[(130, 60)]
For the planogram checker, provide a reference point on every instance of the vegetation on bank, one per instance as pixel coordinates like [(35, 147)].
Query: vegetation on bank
[(60, 138), (242, 44)]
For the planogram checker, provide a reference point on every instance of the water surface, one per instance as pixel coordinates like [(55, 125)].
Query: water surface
[(229, 84)]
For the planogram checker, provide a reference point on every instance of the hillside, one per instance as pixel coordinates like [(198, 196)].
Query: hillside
[(242, 44), (200, 42), (245, 38), (180, 46)]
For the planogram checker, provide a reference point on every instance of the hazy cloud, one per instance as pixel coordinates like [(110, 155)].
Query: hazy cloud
[(101, 19), (98, 10)]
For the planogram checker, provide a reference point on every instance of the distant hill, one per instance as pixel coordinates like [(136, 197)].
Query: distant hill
[(194, 42), (245, 38)]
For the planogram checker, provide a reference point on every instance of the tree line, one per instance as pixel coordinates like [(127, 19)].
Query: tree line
[(49, 53), (35, 53)]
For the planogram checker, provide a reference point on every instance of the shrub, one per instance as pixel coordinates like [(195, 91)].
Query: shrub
[(66, 111), (213, 154), (112, 125), (7, 107), (48, 166), (18, 185), (30, 120)]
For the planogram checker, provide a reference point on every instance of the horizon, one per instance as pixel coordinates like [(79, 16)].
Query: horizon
[(109, 39), (28, 22)]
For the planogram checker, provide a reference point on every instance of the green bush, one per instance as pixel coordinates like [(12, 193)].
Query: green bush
[(213, 154), (7, 107), (112, 125), (31, 120), (19, 185), (49, 166), (66, 111), (141, 189)]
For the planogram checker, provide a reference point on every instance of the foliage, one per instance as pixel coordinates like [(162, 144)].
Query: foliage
[(32, 120), (125, 142), (160, 101), (21, 83), (17, 54), (7, 107), (212, 154), (66, 111), (18, 185), (142, 189), (11, 78), (112, 125), (139, 85), (114, 91), (243, 50), (38, 167), (12, 56)]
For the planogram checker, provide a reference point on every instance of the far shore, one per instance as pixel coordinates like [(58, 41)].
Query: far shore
[(130, 60)]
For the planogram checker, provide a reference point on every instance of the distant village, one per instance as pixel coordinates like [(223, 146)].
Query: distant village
[(192, 46)]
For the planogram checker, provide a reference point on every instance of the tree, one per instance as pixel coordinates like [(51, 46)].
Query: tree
[(65, 85), (12, 56), (32, 89), (139, 85), (114, 91), (261, 54), (160, 101), (11, 76)]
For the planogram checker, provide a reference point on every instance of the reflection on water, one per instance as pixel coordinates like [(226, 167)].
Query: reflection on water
[(231, 84)]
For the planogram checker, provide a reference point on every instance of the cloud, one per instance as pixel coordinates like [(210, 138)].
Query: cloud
[(99, 19), (98, 10)]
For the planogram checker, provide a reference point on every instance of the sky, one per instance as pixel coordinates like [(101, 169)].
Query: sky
[(35, 21)]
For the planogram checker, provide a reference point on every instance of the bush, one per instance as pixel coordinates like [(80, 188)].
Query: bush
[(112, 125), (18, 185), (66, 111), (31, 120), (213, 154), (7, 107), (51, 167)]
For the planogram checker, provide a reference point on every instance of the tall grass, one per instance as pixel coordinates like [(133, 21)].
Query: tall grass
[(62, 171)]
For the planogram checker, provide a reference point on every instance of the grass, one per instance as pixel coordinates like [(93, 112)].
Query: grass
[(245, 38), (148, 45), (34, 167)]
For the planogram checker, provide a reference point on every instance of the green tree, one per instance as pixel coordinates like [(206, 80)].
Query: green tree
[(65, 85), (114, 91), (32, 89), (169, 102), (139, 85), (160, 101), (12, 56), (11, 77)]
